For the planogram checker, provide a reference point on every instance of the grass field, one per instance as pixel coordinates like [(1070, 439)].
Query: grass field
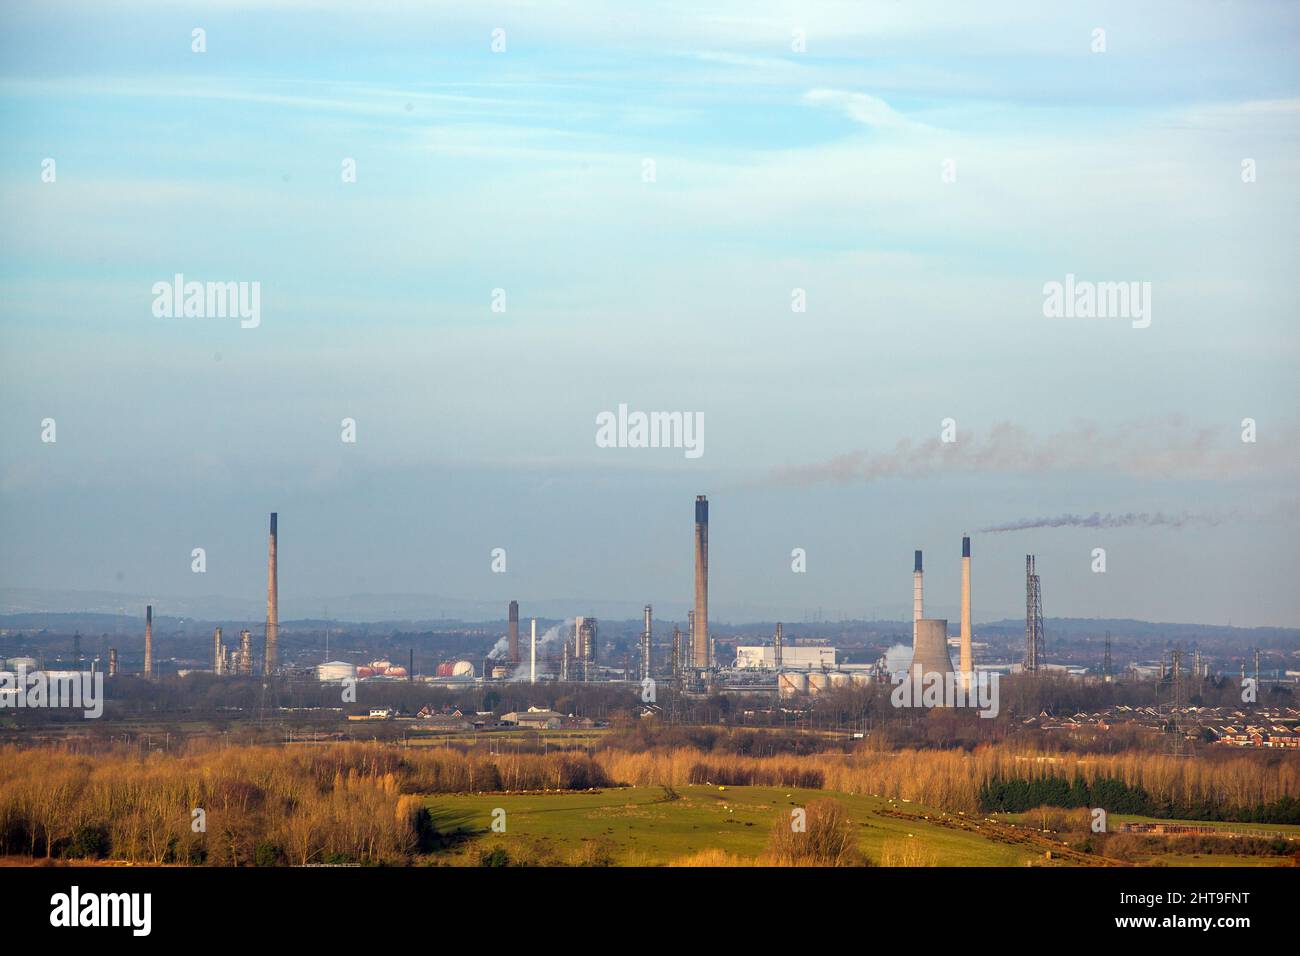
[(652, 826)]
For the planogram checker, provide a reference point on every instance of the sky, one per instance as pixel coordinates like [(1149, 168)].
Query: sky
[(648, 189)]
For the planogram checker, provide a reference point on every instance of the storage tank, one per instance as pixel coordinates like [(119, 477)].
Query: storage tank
[(445, 668), (500, 672), (365, 671), (462, 669), (792, 683), (840, 679), (818, 682), (396, 671), (381, 667), (860, 679), (22, 663), (335, 670)]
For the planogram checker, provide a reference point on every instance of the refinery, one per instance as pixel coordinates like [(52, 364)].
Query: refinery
[(685, 660)]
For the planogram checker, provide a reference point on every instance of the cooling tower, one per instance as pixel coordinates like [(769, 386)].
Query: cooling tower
[(967, 659), (700, 628), (514, 632), (916, 595), (930, 649), (272, 606), (148, 640)]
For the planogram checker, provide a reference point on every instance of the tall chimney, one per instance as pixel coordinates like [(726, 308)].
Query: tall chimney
[(645, 644), (514, 632), (272, 607), (916, 595), (217, 653), (112, 662), (700, 629), (532, 656), (779, 644), (148, 640), (967, 660)]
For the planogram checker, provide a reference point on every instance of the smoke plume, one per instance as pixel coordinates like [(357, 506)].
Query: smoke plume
[(1130, 519)]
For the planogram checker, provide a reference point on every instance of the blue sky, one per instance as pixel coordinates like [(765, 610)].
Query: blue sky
[(775, 170)]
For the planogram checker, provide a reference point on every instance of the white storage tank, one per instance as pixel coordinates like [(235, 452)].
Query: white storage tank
[(818, 682), (840, 679), (335, 670), (793, 683), (462, 669)]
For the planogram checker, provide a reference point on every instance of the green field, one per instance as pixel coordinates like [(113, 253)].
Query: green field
[(653, 826)]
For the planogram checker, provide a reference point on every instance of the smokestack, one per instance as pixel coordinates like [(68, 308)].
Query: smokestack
[(967, 660), (779, 643), (514, 632), (916, 595), (218, 654), (645, 644), (700, 626), (532, 656), (272, 606), (148, 640), (112, 662)]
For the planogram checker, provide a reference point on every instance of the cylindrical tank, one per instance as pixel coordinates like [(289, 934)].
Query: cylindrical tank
[(500, 672), (792, 683), (396, 670), (462, 669), (861, 679), (818, 682), (381, 666), (365, 672), (335, 670), (445, 668), (22, 663), (840, 679)]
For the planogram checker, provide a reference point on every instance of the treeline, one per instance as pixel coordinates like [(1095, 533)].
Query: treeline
[(355, 803), (1237, 787), (1115, 796)]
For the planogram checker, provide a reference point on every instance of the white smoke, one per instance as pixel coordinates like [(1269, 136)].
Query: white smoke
[(897, 658), (547, 645)]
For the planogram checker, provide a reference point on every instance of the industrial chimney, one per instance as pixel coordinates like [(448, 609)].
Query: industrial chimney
[(272, 607), (218, 653), (112, 662), (532, 655), (778, 644), (514, 632), (967, 659), (916, 595), (645, 644), (700, 627), (148, 640)]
